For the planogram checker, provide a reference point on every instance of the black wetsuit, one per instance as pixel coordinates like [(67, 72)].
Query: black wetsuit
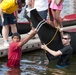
[(65, 57)]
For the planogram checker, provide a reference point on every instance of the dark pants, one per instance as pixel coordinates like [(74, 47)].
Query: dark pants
[(9, 19)]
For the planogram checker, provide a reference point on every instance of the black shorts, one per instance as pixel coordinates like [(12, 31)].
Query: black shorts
[(0, 21), (9, 19)]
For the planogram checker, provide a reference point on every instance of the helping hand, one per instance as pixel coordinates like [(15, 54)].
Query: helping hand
[(33, 31), (60, 29), (44, 47)]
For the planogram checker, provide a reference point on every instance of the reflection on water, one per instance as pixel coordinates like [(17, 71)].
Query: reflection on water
[(51, 71), (35, 63), (13, 71), (68, 7)]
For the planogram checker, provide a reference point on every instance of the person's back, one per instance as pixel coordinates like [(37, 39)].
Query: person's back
[(8, 6)]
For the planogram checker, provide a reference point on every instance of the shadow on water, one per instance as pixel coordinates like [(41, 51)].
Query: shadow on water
[(13, 71), (70, 70)]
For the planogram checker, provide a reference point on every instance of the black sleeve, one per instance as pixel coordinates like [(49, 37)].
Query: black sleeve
[(66, 49)]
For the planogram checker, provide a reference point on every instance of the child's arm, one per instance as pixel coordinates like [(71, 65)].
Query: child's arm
[(33, 32), (54, 53)]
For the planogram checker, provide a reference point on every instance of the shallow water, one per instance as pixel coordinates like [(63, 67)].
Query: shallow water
[(69, 7), (35, 63)]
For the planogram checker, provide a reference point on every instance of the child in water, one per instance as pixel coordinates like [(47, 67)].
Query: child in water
[(15, 49)]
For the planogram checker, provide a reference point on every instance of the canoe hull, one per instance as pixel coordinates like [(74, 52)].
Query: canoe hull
[(21, 27)]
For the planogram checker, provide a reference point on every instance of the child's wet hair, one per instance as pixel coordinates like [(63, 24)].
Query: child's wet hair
[(16, 34)]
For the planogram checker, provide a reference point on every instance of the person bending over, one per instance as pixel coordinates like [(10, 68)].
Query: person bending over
[(7, 9)]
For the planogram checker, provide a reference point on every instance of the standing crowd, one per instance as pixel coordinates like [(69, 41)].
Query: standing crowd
[(8, 8)]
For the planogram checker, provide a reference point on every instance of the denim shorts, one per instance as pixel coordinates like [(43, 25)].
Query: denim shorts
[(43, 14), (9, 19)]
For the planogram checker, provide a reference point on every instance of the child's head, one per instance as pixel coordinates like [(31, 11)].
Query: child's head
[(16, 37)]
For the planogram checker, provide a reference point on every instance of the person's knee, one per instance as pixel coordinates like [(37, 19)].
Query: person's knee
[(13, 26), (5, 27), (57, 19)]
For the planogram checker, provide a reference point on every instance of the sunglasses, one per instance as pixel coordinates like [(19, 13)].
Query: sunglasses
[(65, 38)]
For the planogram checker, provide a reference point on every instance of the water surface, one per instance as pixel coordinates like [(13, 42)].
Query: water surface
[(35, 63)]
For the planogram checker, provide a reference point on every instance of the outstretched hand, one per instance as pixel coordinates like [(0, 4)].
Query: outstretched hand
[(33, 31), (60, 29), (44, 47)]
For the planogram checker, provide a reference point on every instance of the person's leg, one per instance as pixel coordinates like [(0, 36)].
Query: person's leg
[(50, 16), (5, 29), (13, 28), (54, 18), (59, 23), (12, 23), (5, 32)]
